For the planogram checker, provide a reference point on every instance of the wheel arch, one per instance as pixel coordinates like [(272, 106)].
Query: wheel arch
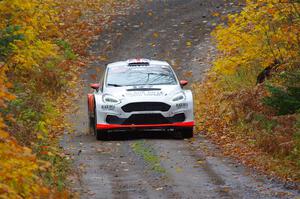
[(189, 95)]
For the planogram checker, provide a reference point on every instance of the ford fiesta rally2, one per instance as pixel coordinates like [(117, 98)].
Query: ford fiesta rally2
[(140, 94)]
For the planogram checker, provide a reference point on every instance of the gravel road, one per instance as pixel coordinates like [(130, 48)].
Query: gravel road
[(151, 165)]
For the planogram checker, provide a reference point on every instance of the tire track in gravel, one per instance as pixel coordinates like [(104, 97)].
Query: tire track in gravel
[(176, 31)]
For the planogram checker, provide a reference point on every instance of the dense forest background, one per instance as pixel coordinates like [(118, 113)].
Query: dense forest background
[(249, 102)]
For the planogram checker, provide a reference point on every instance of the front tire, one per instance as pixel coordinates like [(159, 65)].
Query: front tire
[(92, 125), (187, 133)]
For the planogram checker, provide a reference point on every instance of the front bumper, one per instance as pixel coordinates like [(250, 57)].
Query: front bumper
[(148, 114), (145, 126)]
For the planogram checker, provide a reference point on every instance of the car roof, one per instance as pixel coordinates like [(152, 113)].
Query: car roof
[(129, 62)]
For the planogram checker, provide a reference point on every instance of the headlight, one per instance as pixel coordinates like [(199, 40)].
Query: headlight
[(178, 97), (110, 99)]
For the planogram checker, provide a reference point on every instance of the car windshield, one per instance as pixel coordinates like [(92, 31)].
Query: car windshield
[(140, 75)]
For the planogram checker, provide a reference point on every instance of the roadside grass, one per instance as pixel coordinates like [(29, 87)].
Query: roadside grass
[(59, 165), (146, 152), (242, 78)]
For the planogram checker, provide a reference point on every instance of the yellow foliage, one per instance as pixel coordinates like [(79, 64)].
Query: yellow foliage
[(31, 55), (18, 166), (42, 73), (264, 31), (33, 18), (18, 172)]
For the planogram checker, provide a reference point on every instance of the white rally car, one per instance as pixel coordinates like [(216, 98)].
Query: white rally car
[(140, 94)]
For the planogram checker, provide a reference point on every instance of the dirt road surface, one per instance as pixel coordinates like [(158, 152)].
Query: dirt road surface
[(155, 165)]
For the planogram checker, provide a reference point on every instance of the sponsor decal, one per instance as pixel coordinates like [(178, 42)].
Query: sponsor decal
[(144, 93), (181, 105), (108, 107)]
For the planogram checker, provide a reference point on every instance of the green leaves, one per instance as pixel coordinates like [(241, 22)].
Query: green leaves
[(285, 98), (7, 37), (68, 51)]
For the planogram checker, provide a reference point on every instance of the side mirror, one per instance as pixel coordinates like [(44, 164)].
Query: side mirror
[(95, 86), (183, 82)]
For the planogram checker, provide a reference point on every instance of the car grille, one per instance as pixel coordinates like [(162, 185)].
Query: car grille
[(145, 106), (145, 119)]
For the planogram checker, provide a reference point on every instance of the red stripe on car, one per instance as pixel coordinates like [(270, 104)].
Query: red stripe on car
[(120, 126)]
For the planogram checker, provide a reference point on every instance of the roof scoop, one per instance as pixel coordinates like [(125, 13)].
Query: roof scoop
[(138, 62)]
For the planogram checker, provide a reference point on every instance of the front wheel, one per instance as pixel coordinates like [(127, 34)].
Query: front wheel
[(187, 132)]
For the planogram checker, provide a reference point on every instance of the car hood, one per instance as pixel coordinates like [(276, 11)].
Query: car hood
[(138, 93)]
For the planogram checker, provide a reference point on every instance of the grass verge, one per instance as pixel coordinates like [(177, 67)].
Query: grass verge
[(146, 152)]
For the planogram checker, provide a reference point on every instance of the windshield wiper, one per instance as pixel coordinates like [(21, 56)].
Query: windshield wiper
[(115, 85)]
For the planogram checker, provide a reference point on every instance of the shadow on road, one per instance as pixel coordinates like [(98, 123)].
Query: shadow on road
[(136, 135)]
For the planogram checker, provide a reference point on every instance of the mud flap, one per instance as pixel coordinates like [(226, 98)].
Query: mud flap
[(91, 105)]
